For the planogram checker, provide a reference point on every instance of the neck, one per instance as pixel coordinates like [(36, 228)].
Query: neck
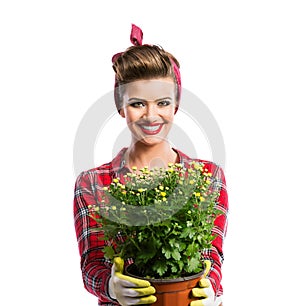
[(141, 155)]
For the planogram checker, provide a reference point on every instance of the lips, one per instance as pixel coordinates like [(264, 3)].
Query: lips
[(151, 129)]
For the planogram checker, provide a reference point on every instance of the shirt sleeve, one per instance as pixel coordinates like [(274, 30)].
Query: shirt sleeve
[(215, 253), (95, 268)]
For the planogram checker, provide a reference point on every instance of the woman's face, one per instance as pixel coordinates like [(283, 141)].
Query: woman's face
[(149, 107)]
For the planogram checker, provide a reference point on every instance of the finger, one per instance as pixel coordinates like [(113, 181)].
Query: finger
[(151, 299), (204, 283), (207, 264), (129, 301), (132, 282), (197, 303), (118, 264), (144, 291), (200, 292), (135, 293), (204, 302), (132, 292)]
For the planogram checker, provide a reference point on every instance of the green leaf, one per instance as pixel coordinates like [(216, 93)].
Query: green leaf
[(185, 233), (182, 246), (109, 252), (175, 254), (180, 265), (194, 265), (174, 268), (188, 232), (160, 267), (172, 243), (167, 252), (191, 249)]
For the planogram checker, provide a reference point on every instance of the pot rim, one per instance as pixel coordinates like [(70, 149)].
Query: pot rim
[(164, 280)]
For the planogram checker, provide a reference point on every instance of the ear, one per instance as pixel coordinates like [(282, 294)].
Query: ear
[(121, 112), (176, 107)]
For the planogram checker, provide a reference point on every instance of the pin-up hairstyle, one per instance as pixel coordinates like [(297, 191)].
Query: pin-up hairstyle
[(142, 62)]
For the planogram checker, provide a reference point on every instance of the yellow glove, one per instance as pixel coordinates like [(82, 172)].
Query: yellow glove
[(205, 292), (129, 290)]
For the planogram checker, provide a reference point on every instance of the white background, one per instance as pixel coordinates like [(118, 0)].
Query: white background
[(240, 57)]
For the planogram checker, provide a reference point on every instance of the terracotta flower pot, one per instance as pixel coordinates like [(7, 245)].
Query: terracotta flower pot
[(175, 292)]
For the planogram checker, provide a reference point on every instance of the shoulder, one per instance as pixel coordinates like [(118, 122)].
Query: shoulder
[(103, 174)]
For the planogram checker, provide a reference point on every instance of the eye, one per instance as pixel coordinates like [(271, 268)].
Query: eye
[(137, 104), (164, 103)]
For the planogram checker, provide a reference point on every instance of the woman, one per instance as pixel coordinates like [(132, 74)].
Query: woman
[(147, 96)]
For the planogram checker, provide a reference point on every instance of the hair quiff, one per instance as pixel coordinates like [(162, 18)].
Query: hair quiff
[(143, 62)]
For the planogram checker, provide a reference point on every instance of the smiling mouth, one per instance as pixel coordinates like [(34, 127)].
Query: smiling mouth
[(151, 129)]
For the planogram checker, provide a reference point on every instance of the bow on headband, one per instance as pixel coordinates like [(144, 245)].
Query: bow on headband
[(136, 38)]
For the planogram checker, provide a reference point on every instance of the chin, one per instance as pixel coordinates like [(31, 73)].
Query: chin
[(151, 141)]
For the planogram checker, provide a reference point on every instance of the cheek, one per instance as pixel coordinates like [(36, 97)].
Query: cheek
[(172, 111), (131, 117), (170, 115)]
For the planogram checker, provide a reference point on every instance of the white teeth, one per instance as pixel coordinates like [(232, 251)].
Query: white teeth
[(151, 128)]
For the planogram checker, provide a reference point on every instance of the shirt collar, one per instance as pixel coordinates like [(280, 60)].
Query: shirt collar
[(119, 163)]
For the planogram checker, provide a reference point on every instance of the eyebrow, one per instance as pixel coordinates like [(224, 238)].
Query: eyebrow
[(144, 100)]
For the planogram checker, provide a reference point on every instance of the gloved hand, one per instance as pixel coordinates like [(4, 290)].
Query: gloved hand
[(129, 290), (205, 292)]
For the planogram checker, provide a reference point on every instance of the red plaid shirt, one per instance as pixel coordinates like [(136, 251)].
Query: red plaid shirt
[(95, 268)]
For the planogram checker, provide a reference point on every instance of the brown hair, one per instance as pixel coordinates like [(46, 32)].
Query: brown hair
[(142, 63)]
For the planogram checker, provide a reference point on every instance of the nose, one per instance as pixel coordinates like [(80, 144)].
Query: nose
[(151, 110)]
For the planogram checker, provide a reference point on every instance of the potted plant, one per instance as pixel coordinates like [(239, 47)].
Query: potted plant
[(163, 220)]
